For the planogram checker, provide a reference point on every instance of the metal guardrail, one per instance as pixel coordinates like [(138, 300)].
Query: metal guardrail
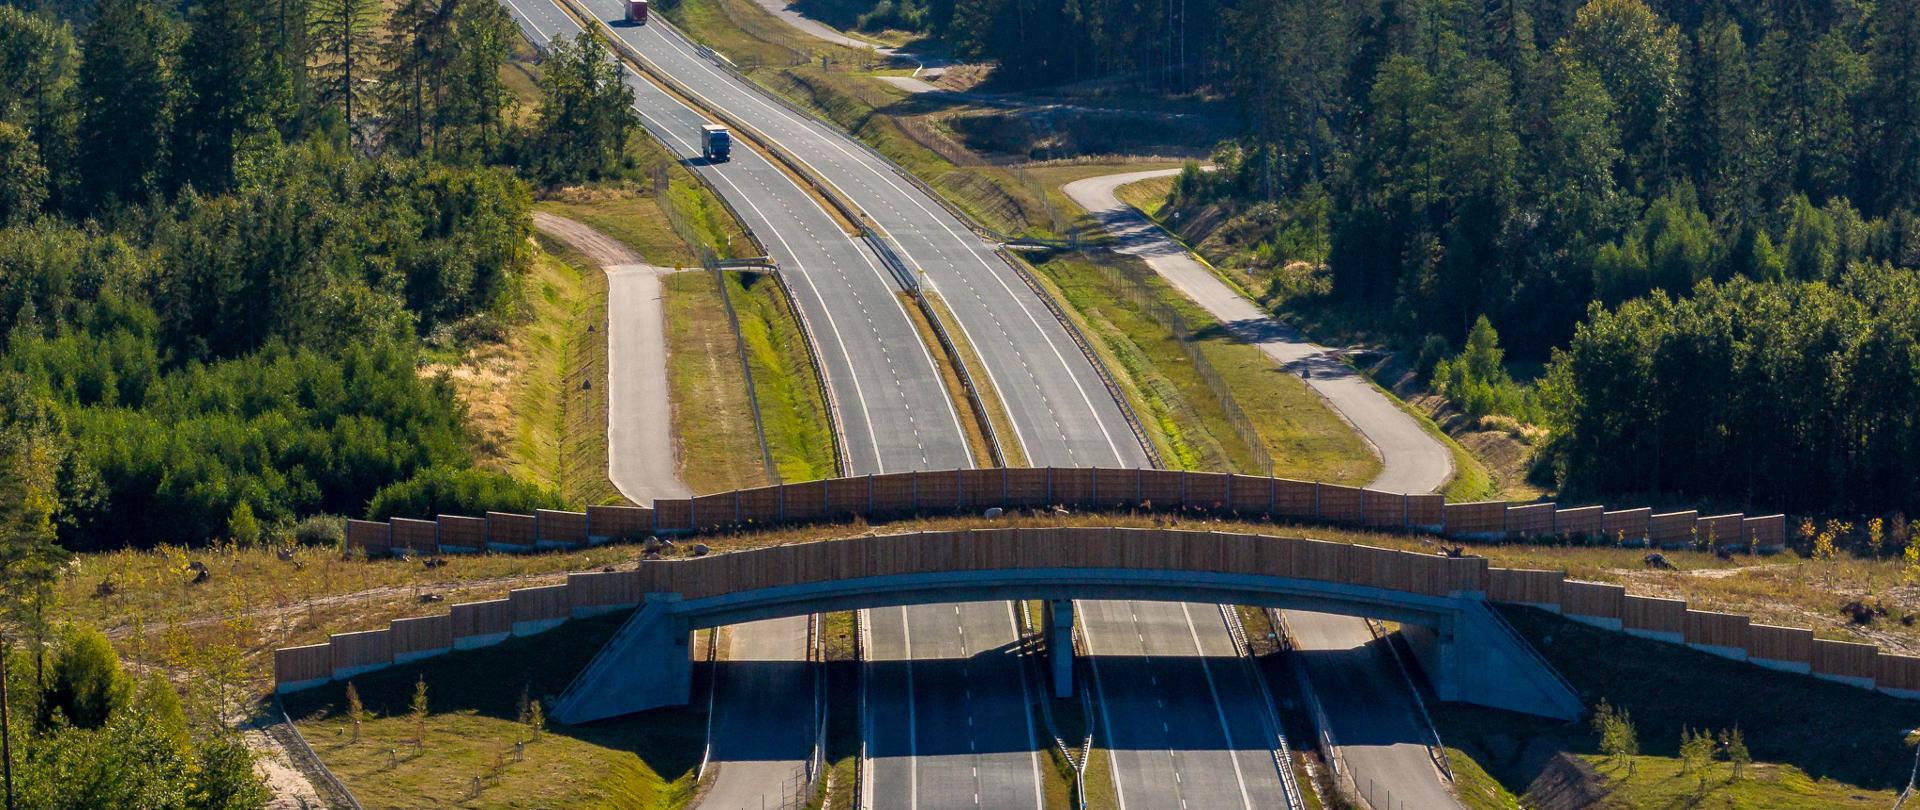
[(860, 670), (1912, 778), (342, 798), (1282, 753), (713, 693), (1322, 725), (1436, 750), (1086, 348), (816, 764), (883, 246)]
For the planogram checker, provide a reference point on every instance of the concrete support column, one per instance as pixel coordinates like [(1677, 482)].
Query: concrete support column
[(645, 666), (1059, 620)]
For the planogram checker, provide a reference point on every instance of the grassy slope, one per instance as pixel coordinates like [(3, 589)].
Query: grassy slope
[(1816, 744), (719, 447), (792, 406), (644, 762), (1471, 480), (536, 400), (1183, 415)]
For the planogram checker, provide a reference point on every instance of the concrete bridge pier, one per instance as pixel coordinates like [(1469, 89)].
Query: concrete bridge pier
[(1471, 656), (646, 665), (1059, 621)]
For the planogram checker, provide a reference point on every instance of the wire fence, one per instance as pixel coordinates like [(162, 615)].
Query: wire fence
[(1135, 286), (333, 791)]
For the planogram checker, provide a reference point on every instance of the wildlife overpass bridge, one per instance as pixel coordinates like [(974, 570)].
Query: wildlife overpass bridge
[(1469, 654)]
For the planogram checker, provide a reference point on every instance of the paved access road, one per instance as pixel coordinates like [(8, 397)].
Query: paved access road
[(1366, 699), (640, 453), (949, 716), (1412, 459), (763, 716), (893, 407)]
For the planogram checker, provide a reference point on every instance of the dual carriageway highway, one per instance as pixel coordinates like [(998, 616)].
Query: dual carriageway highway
[(949, 712)]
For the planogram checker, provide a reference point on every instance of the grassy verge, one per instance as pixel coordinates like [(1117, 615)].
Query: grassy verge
[(472, 750), (792, 406), (843, 710), (1184, 417), (536, 400), (1851, 751), (719, 447), (972, 422), (1472, 479)]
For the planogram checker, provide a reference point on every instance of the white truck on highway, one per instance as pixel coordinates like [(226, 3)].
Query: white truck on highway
[(716, 143)]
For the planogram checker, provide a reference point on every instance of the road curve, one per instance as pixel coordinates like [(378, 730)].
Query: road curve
[(1412, 460), (640, 455)]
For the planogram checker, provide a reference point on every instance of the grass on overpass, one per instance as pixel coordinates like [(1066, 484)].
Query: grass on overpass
[(473, 736), (1814, 743)]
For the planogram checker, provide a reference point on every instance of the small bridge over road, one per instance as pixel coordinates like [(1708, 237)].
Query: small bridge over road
[(1468, 653)]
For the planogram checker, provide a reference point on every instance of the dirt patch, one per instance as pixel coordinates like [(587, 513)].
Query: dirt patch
[(1566, 783)]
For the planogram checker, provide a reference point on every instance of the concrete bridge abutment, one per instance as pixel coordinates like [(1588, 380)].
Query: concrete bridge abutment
[(1059, 628)]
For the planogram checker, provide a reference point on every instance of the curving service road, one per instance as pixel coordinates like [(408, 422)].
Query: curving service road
[(640, 454), (1412, 460), (1372, 714)]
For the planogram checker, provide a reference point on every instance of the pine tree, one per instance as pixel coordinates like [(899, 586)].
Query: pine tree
[(343, 36), (1737, 753), (236, 89), (418, 712), (127, 94), (356, 711)]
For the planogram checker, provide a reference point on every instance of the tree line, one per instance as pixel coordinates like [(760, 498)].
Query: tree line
[(1430, 163), (233, 234)]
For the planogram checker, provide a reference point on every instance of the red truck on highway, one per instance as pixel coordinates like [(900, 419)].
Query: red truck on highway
[(637, 12)]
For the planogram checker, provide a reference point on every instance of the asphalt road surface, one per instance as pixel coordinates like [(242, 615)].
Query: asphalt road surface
[(1412, 459), (640, 455), (763, 716), (949, 721), (894, 410), (1372, 714), (1179, 710), (1061, 412)]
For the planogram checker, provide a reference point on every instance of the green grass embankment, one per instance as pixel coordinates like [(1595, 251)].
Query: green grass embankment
[(473, 737), (1814, 743)]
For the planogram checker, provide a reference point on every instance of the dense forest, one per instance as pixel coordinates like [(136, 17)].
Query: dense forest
[(231, 233), (1545, 164)]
